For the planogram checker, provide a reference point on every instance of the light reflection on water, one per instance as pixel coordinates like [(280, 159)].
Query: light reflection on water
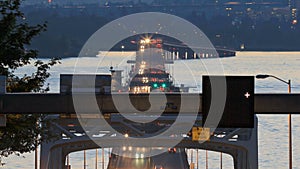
[(273, 136)]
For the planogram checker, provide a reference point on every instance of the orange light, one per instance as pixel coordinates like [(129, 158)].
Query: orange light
[(71, 125)]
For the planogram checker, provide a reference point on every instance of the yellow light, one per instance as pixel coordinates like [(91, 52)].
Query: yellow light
[(147, 40), (126, 135)]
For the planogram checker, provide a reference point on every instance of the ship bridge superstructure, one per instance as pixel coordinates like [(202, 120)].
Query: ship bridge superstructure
[(148, 71)]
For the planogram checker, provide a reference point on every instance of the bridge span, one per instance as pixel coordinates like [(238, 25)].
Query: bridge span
[(243, 148)]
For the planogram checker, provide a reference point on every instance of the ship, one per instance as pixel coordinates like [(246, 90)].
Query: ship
[(148, 71)]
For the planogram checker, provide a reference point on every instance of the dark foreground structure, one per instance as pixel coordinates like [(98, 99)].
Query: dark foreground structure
[(241, 143)]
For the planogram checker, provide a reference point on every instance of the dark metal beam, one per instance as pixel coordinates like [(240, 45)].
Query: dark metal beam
[(59, 103), (277, 103)]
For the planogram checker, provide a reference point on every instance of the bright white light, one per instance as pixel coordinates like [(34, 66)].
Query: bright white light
[(78, 134), (126, 135), (124, 148), (129, 148), (147, 40), (98, 135)]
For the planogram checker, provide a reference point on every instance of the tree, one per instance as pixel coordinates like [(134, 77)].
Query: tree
[(22, 134)]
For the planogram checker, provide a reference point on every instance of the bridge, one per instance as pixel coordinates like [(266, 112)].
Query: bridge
[(174, 49), (240, 143)]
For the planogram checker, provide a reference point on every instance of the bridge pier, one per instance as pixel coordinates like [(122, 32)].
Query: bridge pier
[(248, 159), (52, 158)]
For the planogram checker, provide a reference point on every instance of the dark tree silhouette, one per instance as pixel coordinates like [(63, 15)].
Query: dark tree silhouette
[(22, 134)]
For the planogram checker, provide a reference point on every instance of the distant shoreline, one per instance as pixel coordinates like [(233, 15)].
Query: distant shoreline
[(279, 51)]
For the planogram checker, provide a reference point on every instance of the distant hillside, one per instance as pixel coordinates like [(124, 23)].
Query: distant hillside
[(69, 29)]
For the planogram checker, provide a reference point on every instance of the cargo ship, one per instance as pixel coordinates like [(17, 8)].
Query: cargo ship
[(148, 71)]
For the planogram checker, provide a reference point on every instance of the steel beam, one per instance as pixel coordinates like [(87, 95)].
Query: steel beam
[(59, 103)]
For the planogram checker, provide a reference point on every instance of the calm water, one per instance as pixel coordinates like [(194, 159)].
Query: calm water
[(273, 141)]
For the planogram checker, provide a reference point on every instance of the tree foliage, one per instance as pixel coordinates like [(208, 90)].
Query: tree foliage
[(22, 134)]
